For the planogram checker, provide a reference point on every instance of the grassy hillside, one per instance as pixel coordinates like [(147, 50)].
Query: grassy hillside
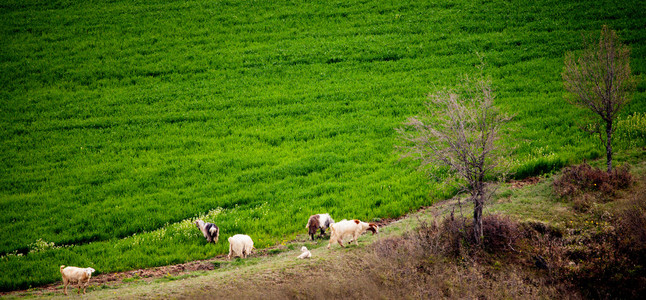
[(123, 120), (414, 256)]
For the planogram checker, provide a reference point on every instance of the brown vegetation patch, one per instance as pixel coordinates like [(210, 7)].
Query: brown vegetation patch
[(585, 185), (516, 184), (604, 255)]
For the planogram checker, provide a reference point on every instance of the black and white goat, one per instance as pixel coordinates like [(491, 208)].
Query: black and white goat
[(210, 231)]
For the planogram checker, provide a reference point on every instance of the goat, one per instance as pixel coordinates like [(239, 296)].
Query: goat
[(240, 245), (320, 221), (354, 227), (209, 230), (79, 275), (306, 253)]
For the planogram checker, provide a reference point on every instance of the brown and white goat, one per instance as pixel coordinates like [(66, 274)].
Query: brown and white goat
[(353, 227), (318, 222)]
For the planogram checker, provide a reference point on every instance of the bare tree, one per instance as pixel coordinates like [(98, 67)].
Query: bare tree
[(600, 80), (460, 132)]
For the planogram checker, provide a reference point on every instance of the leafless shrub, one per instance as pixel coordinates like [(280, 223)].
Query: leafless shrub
[(501, 233), (621, 178), (584, 185), (454, 238)]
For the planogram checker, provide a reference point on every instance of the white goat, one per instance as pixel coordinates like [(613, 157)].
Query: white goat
[(320, 221), (353, 227), (240, 245), (79, 275), (306, 253), (209, 230)]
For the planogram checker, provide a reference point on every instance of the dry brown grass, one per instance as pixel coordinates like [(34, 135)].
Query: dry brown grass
[(604, 254), (610, 252)]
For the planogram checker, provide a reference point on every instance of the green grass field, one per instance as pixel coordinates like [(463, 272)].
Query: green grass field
[(121, 121)]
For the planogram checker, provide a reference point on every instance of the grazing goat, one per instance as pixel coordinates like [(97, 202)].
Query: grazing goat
[(79, 275), (320, 221), (354, 227), (209, 230), (306, 253), (240, 245)]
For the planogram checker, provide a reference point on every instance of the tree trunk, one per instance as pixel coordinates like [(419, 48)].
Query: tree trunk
[(609, 145), (477, 217)]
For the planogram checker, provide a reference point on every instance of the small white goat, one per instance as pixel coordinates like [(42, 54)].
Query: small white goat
[(79, 275), (240, 245), (306, 253), (209, 230), (320, 221), (353, 227)]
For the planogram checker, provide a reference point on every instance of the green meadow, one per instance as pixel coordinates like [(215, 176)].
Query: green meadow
[(122, 121)]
